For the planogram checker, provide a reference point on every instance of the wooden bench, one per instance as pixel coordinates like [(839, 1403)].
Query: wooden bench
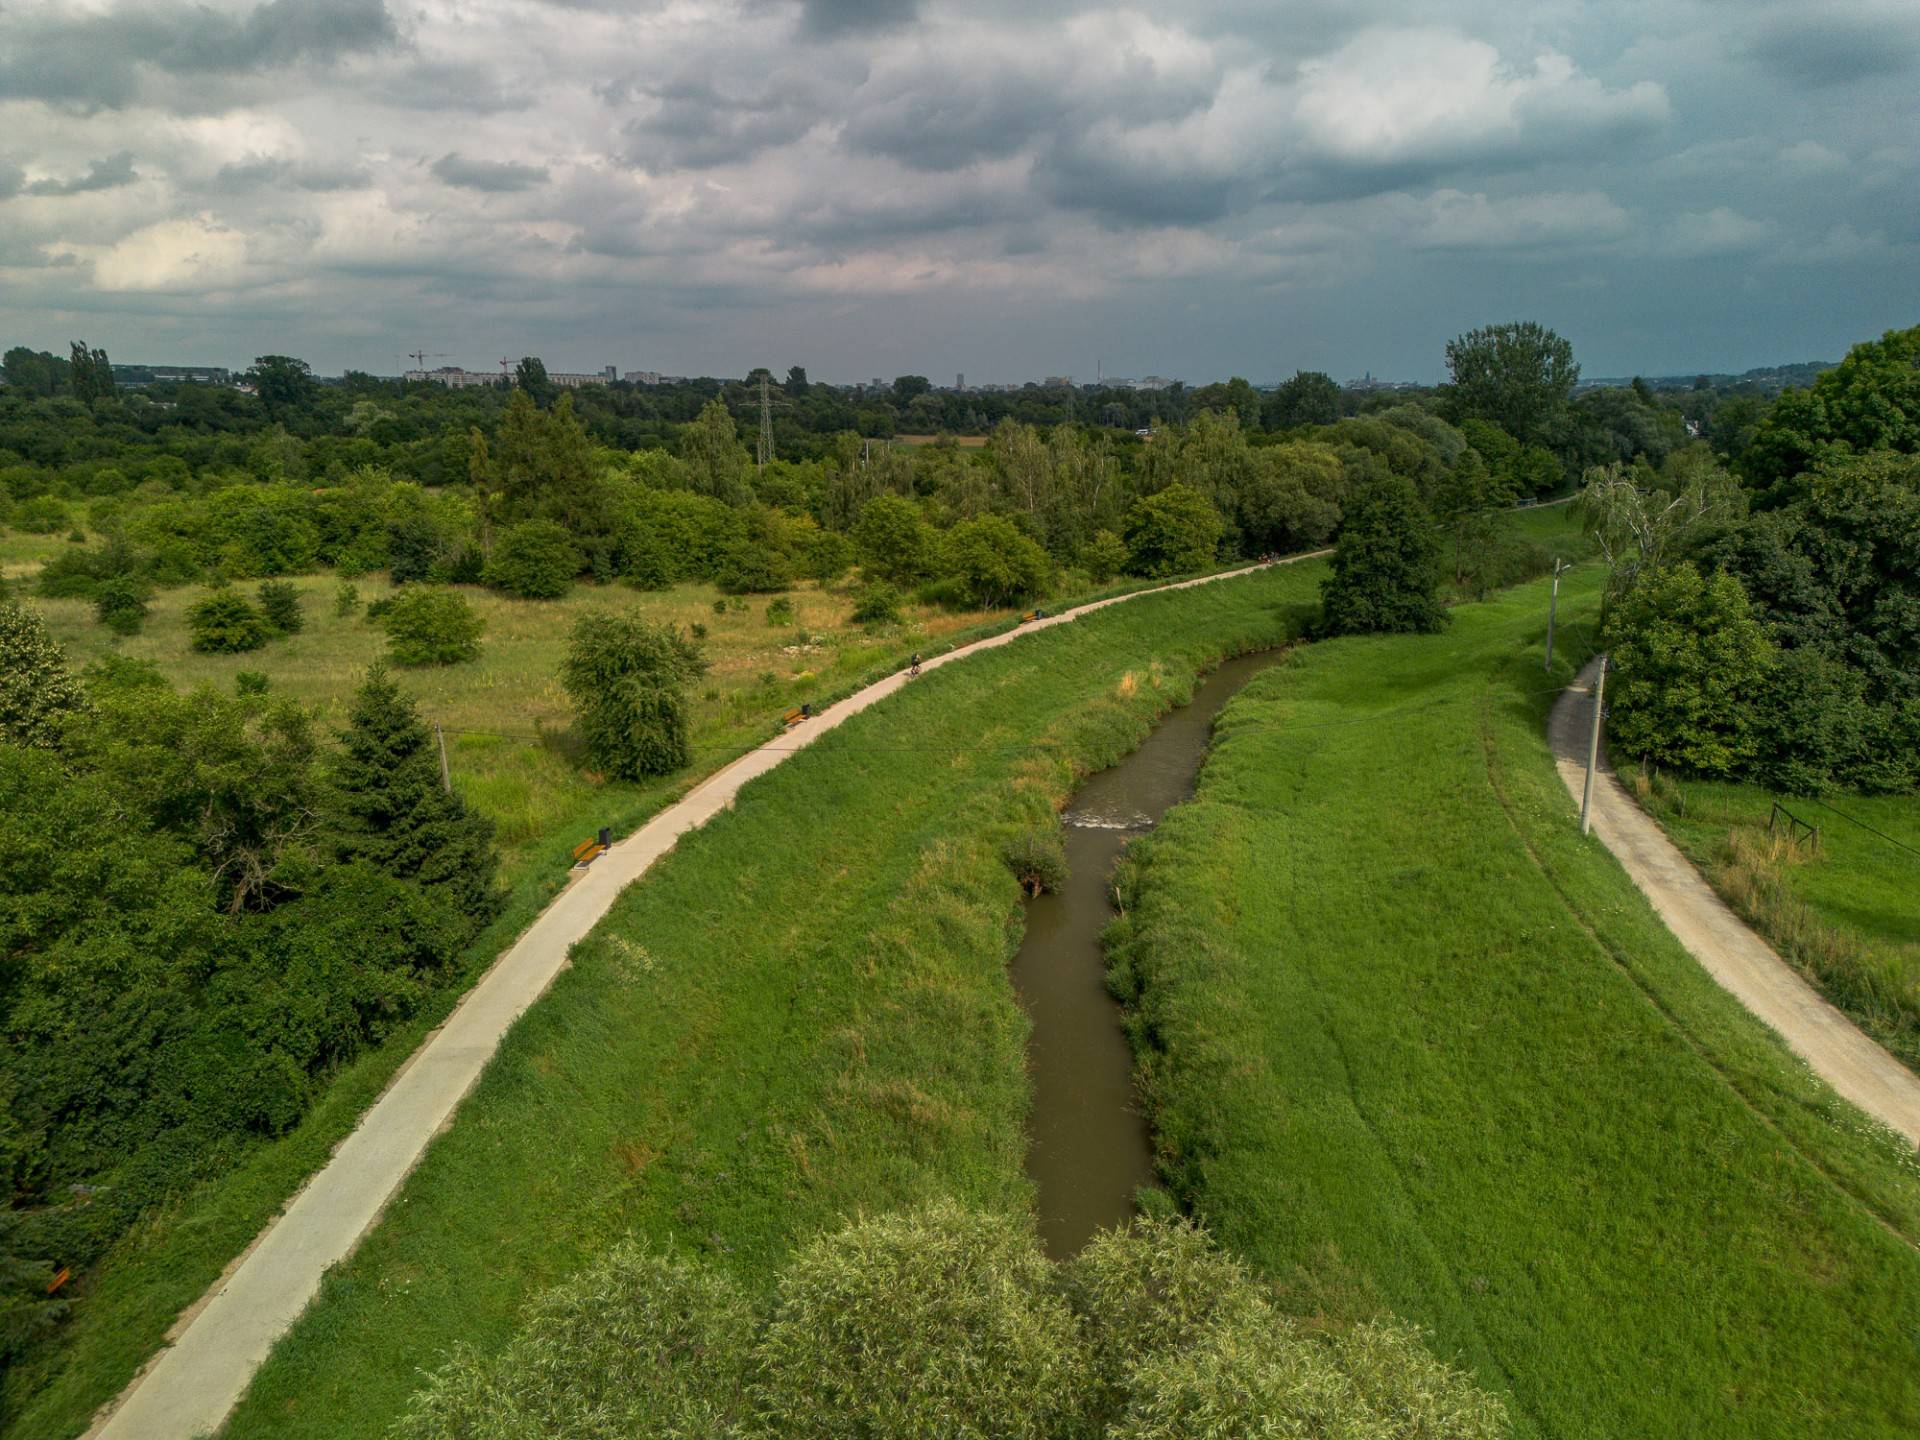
[(1033, 615), (794, 716), (586, 852)]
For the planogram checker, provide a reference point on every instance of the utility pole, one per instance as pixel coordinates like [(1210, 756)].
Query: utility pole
[(1553, 606), (766, 421), (1593, 748), (446, 780)]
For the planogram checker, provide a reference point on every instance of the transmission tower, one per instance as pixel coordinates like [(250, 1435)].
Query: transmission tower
[(766, 420)]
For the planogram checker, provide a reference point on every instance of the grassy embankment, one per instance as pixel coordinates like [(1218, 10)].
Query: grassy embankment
[(519, 771), (1844, 910), (1412, 1042), (802, 1012)]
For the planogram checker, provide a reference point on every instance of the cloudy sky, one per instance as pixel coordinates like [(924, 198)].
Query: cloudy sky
[(871, 187)]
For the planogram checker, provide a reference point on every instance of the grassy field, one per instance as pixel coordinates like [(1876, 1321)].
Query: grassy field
[(1411, 1042), (1844, 909), (506, 718), (802, 1012)]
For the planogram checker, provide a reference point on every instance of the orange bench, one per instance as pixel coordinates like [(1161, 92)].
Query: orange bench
[(794, 716), (587, 851)]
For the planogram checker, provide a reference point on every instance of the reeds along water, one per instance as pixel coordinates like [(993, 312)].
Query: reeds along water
[(1089, 1148)]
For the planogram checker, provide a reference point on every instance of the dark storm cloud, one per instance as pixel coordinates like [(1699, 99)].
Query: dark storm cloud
[(266, 172), (95, 61), (696, 125), (11, 177), (829, 19), (933, 122), (108, 174), (497, 177), (1824, 48)]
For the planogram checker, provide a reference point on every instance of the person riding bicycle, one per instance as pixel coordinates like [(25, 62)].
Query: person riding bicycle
[(914, 668)]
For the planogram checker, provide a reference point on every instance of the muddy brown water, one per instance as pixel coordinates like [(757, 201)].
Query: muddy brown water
[(1088, 1143)]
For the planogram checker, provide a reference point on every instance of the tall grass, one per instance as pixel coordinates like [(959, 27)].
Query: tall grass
[(1409, 1040), (800, 1015)]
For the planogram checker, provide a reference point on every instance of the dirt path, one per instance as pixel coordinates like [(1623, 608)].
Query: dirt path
[(190, 1387), (1732, 954)]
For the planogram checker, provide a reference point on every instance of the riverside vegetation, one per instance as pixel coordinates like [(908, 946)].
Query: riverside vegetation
[(1411, 1042)]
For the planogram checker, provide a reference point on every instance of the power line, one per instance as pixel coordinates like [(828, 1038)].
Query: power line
[(1863, 825)]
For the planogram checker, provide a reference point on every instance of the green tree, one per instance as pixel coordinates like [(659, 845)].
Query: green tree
[(1104, 556), (1519, 376), (1290, 497), (89, 374), (1688, 661), (33, 372), (1869, 401), (877, 604), (530, 379), (893, 542), (1386, 565), (796, 384), (223, 623), (285, 386), (37, 690), (1171, 532), (825, 556), (717, 463), (27, 1311), (995, 562), (907, 388), (426, 625), (536, 560), (392, 812), (1311, 397), (628, 678), (280, 606)]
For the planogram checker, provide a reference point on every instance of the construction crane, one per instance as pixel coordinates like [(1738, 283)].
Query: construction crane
[(425, 355)]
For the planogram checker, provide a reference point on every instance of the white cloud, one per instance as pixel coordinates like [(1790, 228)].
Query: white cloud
[(1705, 234), (191, 253)]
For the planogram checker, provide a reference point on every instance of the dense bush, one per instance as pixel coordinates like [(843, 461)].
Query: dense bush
[(946, 1322), (429, 626), (120, 604), (537, 560), (628, 678), (1386, 566), (1103, 557), (37, 690), (223, 623), (877, 604), (892, 540)]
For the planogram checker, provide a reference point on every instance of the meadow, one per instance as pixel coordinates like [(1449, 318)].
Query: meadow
[(1410, 1042), (1839, 906), (802, 1013)]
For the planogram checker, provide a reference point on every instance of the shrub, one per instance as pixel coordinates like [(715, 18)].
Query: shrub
[(280, 606), (1171, 532), (877, 604), (749, 568), (628, 678), (120, 604), (429, 626), (1103, 557), (536, 560), (37, 690), (635, 1345), (780, 611), (1386, 565), (826, 556), (346, 600), (1037, 856), (251, 682), (413, 548), (921, 1324), (892, 540), (223, 623)]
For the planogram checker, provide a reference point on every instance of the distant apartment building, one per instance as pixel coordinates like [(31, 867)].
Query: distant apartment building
[(572, 380), (642, 377), (456, 378), (134, 376), (960, 381), (1058, 381), (1120, 382), (1155, 382)]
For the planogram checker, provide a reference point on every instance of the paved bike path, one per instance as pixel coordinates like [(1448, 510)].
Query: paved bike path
[(1744, 964), (190, 1387)]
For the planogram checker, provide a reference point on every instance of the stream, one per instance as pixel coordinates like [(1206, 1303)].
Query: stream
[(1089, 1147)]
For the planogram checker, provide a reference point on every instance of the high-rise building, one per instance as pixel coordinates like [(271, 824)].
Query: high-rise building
[(960, 381)]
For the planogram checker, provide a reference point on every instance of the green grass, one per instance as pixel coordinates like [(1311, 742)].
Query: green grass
[(801, 1013), (532, 789), (1411, 1042), (1843, 908)]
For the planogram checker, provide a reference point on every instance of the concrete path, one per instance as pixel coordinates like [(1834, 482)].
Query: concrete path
[(189, 1388), (1733, 954)]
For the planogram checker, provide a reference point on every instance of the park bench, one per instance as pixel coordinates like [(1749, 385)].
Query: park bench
[(1033, 615), (794, 716), (587, 851)]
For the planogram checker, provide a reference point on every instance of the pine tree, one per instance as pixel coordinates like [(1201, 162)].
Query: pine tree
[(37, 690), (393, 812), (1386, 565)]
